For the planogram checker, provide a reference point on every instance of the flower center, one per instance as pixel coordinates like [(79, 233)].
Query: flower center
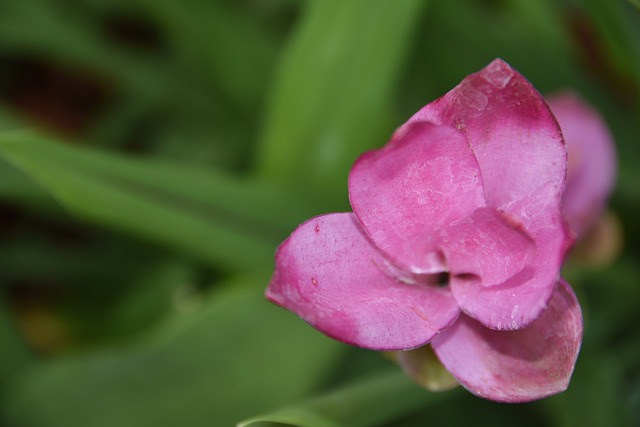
[(442, 279)]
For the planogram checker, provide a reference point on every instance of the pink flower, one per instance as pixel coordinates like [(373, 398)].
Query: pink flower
[(456, 239), (592, 160)]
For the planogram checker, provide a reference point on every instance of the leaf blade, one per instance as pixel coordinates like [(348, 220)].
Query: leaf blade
[(333, 89), (218, 219), (366, 403), (207, 367)]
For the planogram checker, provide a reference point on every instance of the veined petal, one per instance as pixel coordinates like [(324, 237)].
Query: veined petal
[(329, 274), (488, 247), (516, 366), (426, 177), (592, 160), (510, 129)]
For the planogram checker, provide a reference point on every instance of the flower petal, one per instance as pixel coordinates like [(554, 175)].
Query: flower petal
[(519, 301), (487, 247), (522, 158), (329, 274), (592, 160), (510, 129), (426, 177), (516, 366)]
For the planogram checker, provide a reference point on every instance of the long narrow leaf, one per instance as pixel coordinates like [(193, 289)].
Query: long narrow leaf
[(331, 98), (221, 42), (15, 355), (231, 223), (368, 403)]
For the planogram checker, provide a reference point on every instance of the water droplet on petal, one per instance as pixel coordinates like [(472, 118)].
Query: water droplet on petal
[(498, 74)]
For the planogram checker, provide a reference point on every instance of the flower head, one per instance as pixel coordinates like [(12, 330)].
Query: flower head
[(469, 190)]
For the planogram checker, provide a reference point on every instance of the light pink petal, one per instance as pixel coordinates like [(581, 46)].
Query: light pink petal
[(592, 160), (329, 274), (426, 177), (511, 130), (487, 248), (516, 366)]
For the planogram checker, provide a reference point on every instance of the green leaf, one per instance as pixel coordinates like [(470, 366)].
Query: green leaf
[(151, 294), (7, 122), (596, 380), (618, 31), (147, 85), (14, 186), (370, 402), (17, 188), (212, 367), (43, 29), (223, 44), (15, 355), (528, 35), (231, 223), (333, 91)]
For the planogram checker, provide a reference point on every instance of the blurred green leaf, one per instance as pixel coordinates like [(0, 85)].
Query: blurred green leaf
[(529, 35), (44, 29), (152, 294), (367, 403), (97, 287), (16, 187), (230, 223), (167, 88), (596, 381), (223, 44), (618, 32), (333, 91), (6, 121), (15, 356), (235, 355)]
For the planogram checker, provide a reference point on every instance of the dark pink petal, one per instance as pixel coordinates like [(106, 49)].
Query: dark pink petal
[(329, 274), (426, 177), (488, 247), (511, 130), (516, 366), (592, 160)]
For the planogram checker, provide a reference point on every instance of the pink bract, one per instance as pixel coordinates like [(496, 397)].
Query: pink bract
[(456, 239), (592, 160)]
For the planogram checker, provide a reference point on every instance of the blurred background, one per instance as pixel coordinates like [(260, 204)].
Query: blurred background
[(153, 154)]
